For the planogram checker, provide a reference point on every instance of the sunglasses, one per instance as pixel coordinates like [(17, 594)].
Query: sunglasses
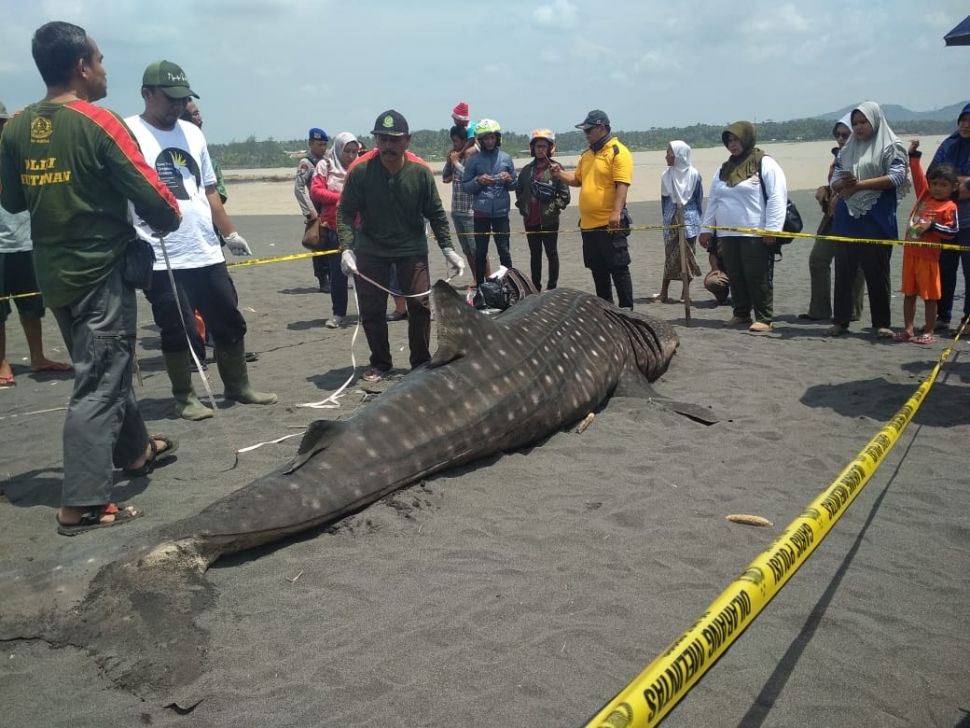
[(589, 129), (842, 135)]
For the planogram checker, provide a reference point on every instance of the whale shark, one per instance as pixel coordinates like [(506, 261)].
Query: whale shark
[(494, 384)]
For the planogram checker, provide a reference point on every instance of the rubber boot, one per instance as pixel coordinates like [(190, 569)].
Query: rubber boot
[(187, 405), (232, 368)]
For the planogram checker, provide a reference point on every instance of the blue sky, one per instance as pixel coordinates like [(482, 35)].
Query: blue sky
[(276, 67)]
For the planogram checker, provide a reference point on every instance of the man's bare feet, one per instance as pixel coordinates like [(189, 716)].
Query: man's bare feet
[(6, 374), (43, 364)]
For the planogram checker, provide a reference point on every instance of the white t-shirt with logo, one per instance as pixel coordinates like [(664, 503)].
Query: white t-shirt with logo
[(181, 159)]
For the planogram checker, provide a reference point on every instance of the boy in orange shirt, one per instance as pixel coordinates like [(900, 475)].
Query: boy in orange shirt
[(933, 220)]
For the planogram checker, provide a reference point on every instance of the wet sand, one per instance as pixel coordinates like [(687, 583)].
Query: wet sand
[(529, 588)]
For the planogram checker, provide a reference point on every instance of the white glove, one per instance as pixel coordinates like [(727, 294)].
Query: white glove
[(455, 263), (348, 263), (237, 244)]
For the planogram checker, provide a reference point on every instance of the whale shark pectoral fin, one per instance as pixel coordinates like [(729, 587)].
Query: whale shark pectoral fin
[(318, 437), (633, 384), (461, 328), (696, 412)]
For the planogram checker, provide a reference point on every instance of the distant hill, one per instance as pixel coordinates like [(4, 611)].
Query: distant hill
[(433, 144), (896, 113)]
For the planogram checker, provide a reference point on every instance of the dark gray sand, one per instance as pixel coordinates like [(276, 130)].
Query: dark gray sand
[(527, 589)]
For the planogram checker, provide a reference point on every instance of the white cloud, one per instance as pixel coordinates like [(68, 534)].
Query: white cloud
[(559, 14), (260, 70)]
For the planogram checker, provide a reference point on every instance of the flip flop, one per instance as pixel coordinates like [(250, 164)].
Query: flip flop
[(54, 366), (91, 519), (902, 336), (924, 339), (171, 445), (7, 381), (372, 375)]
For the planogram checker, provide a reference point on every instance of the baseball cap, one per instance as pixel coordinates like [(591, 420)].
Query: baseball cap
[(595, 117), (318, 134), (3, 111), (391, 123), (170, 78)]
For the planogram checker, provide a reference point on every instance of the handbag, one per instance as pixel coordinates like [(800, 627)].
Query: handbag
[(793, 219), (311, 235), (138, 264)]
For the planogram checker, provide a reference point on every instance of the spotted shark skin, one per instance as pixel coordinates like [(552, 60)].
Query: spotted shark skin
[(493, 385)]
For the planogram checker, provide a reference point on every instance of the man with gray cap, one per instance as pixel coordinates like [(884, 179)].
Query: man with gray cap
[(317, 146), (393, 194), (178, 152), (17, 279), (604, 173)]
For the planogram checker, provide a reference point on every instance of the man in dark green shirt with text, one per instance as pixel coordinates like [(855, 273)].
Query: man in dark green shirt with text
[(394, 193), (75, 166)]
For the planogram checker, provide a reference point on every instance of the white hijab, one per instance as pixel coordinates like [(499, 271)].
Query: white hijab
[(679, 180), (336, 173), (871, 158)]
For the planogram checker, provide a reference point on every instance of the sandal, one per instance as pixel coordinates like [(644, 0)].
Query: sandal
[(171, 445), (902, 336), (924, 339), (373, 375), (91, 519)]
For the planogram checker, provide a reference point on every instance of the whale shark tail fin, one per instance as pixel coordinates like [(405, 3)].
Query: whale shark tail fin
[(461, 328)]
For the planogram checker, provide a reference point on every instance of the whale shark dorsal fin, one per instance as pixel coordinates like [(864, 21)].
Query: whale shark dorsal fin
[(317, 437), (461, 328)]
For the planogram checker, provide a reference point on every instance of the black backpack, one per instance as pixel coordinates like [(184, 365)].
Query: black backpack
[(793, 219)]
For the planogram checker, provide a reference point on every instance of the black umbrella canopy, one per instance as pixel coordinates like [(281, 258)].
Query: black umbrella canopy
[(960, 35)]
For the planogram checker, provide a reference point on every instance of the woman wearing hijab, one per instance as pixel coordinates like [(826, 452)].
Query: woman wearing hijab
[(750, 191), (955, 150), (870, 179), (328, 183), (823, 252), (681, 197)]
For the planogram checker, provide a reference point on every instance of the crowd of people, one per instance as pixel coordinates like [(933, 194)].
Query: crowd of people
[(138, 204)]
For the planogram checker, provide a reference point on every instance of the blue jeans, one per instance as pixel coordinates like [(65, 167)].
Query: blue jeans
[(499, 228)]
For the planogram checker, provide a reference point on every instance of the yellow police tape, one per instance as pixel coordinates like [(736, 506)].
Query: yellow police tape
[(665, 681), (637, 228), (234, 264)]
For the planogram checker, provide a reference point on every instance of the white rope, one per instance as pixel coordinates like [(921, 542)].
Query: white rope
[(332, 401)]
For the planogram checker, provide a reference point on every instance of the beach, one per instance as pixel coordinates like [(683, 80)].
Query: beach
[(529, 588)]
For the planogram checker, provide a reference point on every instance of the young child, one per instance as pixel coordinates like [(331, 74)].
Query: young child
[(933, 220)]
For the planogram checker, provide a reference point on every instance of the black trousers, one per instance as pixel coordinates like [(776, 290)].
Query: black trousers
[(209, 290), (607, 255), (543, 238), (950, 261), (874, 260), (412, 273)]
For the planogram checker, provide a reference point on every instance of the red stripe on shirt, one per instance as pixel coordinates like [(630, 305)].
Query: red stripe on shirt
[(120, 135)]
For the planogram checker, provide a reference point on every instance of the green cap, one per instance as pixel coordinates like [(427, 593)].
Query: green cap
[(169, 78)]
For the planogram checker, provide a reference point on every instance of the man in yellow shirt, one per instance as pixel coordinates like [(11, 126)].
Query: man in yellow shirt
[(604, 174)]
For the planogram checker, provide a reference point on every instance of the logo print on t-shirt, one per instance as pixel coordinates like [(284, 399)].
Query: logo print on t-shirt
[(174, 168)]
